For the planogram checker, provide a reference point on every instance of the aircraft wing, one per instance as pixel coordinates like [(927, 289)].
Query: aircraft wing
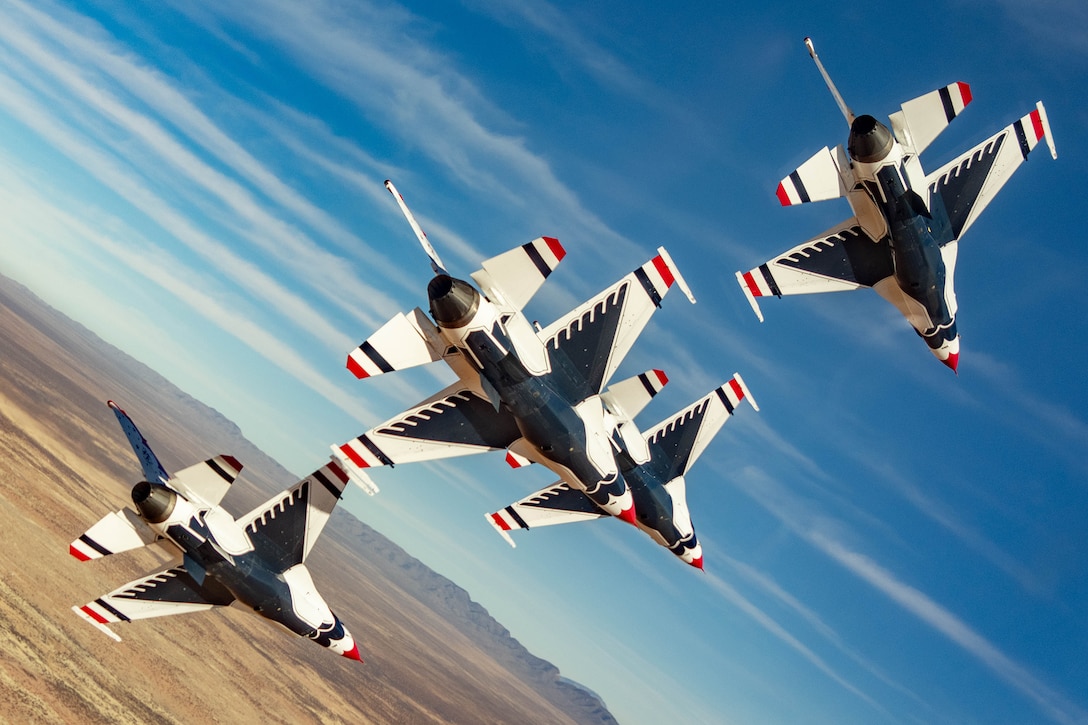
[(627, 398), (969, 183), (118, 531), (208, 481), (513, 277), (818, 179), (598, 334), (284, 529), (678, 441), (403, 342), (556, 504), (842, 258), (922, 119), (453, 422), (173, 591)]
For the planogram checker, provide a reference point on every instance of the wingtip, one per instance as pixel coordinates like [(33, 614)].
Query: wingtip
[(356, 369), (1047, 135), (746, 287)]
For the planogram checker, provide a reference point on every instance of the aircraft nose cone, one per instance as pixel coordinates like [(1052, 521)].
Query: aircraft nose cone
[(353, 653), (453, 302), (870, 140), (628, 515), (949, 353), (697, 563)]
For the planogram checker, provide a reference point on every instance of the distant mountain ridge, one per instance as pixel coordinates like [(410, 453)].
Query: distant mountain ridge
[(183, 427)]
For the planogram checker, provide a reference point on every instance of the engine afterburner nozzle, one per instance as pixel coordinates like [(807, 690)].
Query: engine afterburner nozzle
[(870, 140), (453, 302), (155, 503)]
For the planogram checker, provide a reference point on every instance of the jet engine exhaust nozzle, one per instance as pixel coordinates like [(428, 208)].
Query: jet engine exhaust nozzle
[(155, 503), (870, 140), (453, 302)]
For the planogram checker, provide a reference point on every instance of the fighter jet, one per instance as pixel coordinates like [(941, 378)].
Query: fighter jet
[(903, 238), (535, 392), (257, 560), (653, 464)]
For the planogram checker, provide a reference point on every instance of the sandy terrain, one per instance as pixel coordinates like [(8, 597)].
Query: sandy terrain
[(433, 655)]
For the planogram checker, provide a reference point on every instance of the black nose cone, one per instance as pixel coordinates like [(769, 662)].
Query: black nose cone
[(870, 140), (453, 302)]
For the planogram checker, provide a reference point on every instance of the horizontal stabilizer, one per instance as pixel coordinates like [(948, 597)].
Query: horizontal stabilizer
[(556, 504), (968, 183), (512, 278), (285, 528), (922, 119), (404, 342), (516, 460), (598, 334), (207, 482), (118, 531), (627, 398), (818, 179), (678, 441)]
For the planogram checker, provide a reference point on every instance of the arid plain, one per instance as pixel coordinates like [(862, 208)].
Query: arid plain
[(432, 654)]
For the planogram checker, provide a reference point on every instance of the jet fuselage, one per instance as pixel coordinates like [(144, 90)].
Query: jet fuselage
[(661, 503), (916, 231), (568, 436), (219, 556)]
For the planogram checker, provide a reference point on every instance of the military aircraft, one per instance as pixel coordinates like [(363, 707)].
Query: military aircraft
[(903, 238), (257, 560), (653, 464), (535, 392)]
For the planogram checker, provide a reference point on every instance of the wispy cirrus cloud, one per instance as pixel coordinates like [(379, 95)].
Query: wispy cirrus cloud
[(826, 534), (1049, 702), (68, 62), (373, 59), (764, 620), (24, 211), (572, 43)]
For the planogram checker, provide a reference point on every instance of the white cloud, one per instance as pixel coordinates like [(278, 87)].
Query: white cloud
[(1051, 703), (730, 594), (826, 534)]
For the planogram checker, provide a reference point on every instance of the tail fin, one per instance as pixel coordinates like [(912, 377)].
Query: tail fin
[(680, 439), (436, 263), (153, 470), (846, 112)]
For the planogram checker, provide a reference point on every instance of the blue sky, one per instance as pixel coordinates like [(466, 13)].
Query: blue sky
[(885, 541)]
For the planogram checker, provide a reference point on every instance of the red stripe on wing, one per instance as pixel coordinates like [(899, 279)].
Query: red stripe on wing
[(663, 269), (354, 456)]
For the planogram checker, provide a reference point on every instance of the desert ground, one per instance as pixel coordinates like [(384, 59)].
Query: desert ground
[(432, 655)]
